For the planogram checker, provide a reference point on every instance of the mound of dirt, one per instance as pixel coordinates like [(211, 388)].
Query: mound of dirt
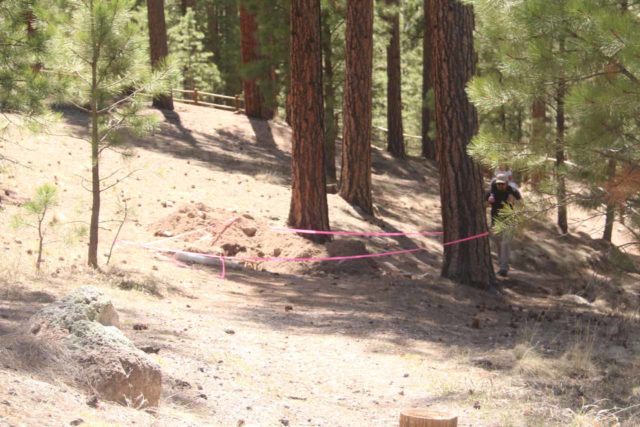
[(243, 238)]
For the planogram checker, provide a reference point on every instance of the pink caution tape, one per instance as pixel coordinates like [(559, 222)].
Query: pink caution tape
[(466, 239), (358, 233), (222, 258)]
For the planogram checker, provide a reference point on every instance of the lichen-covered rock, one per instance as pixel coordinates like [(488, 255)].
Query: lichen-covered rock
[(85, 323)]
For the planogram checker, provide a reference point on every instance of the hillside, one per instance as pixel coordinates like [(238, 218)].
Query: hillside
[(303, 344)]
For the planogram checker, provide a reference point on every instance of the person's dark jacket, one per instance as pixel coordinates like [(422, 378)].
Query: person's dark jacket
[(501, 198)]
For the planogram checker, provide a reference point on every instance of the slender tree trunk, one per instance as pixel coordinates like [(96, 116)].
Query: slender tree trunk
[(30, 20), (330, 128), (94, 225), (395, 140), (428, 145), (158, 46), (40, 238), (355, 177), (213, 28), (538, 120), (461, 192), (611, 207), (309, 193), (561, 190)]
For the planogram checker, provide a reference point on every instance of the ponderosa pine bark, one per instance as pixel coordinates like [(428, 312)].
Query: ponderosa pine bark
[(330, 128), (249, 49), (254, 102), (395, 139), (461, 189), (309, 208), (428, 144), (158, 46), (355, 177)]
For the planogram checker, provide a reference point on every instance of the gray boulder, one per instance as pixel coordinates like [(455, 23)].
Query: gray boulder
[(85, 323)]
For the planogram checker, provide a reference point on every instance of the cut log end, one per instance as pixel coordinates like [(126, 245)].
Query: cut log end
[(418, 417)]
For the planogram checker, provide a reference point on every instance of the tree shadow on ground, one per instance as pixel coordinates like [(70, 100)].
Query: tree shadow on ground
[(17, 305)]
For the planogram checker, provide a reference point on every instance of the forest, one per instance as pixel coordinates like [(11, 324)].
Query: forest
[(320, 212)]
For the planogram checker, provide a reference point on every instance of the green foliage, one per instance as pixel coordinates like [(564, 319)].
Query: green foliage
[(526, 49), (46, 197), (104, 63), (22, 87), (36, 209), (186, 43)]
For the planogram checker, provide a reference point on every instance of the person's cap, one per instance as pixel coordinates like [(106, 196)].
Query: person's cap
[(501, 178)]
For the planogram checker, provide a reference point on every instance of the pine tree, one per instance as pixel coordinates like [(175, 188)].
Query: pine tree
[(355, 178), (550, 58), (461, 191), (104, 57), (309, 208), (428, 144), (190, 55), (24, 34), (395, 138)]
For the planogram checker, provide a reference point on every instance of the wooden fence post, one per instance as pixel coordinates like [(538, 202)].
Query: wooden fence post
[(417, 417), (237, 102), (195, 96)]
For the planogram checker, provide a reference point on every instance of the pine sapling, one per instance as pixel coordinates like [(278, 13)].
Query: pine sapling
[(46, 197)]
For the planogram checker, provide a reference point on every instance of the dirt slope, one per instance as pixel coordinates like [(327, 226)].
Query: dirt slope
[(303, 344)]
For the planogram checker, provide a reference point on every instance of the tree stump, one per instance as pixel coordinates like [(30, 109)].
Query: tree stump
[(416, 417)]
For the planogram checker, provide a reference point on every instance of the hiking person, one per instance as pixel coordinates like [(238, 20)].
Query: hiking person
[(500, 195)]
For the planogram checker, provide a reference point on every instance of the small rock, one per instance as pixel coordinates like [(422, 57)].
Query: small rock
[(93, 402), (277, 252), (150, 349), (249, 231), (76, 422), (229, 331), (164, 233), (284, 422), (203, 396), (476, 405), (288, 308), (140, 326), (182, 384), (154, 268), (240, 423)]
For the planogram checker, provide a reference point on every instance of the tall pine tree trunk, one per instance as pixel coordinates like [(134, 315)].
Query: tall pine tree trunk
[(254, 101), (355, 177), (561, 189), (461, 192), (330, 127), (395, 140), (309, 208), (249, 49), (428, 145), (611, 207), (158, 45)]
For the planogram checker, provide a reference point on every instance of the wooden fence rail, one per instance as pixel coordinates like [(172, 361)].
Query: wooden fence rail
[(194, 96)]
